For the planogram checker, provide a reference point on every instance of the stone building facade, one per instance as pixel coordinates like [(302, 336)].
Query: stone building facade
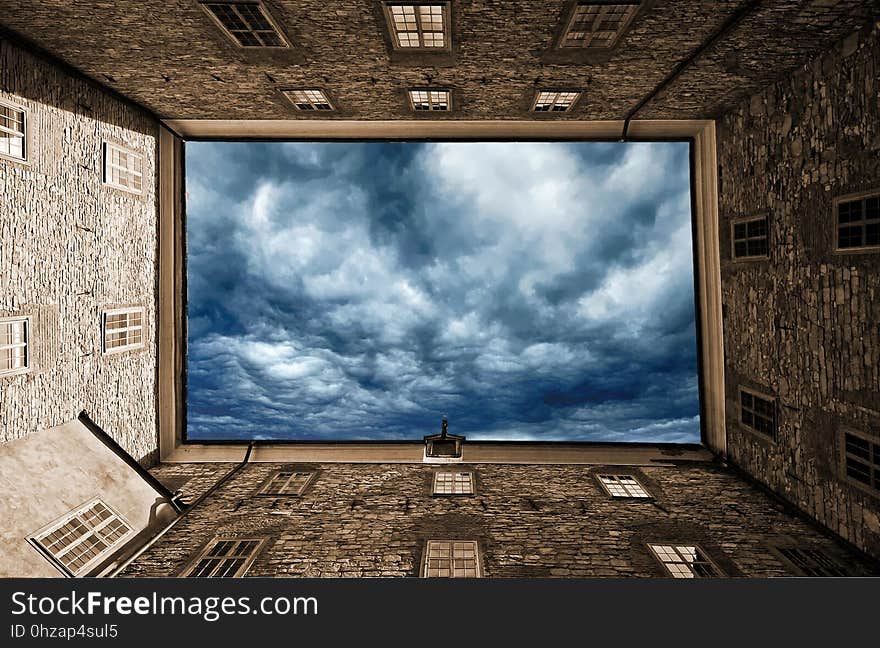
[(803, 324), (528, 520), (73, 247)]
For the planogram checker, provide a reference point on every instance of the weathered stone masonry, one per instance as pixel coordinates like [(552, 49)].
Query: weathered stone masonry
[(71, 247), (530, 521), (805, 324)]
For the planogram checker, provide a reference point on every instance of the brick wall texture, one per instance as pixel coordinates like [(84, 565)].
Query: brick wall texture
[(529, 521), (70, 247), (804, 325)]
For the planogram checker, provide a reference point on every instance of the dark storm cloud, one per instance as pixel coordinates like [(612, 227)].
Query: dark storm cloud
[(529, 291)]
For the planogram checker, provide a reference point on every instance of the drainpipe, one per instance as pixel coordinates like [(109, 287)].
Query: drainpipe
[(735, 19), (189, 509)]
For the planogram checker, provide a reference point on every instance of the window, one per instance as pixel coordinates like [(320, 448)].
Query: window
[(452, 559), (430, 99), (862, 460), (123, 329), (424, 26), (225, 558), (758, 413), (13, 139), (858, 221), (80, 539), (248, 24), (550, 101), (308, 99), (622, 486), (286, 483), (13, 346), (598, 25), (453, 483), (123, 169), (750, 238), (685, 561), (811, 562)]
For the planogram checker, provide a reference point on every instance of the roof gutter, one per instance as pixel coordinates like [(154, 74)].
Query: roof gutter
[(735, 19), (108, 441), (117, 570)]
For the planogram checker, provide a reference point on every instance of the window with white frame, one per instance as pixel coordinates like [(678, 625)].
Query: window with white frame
[(452, 559), (225, 558), (14, 356), (247, 24), (308, 99), (123, 169), (685, 561), (123, 329), (285, 482), (428, 100), (453, 482), (622, 486), (13, 129), (419, 25), (555, 101), (82, 538), (598, 24)]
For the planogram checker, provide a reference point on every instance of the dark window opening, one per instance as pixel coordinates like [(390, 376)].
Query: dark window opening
[(858, 223), (750, 238), (758, 413)]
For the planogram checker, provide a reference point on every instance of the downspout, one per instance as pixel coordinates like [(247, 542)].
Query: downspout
[(189, 509), (735, 19)]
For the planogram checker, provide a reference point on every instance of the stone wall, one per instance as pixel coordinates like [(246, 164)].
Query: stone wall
[(71, 246), (529, 521), (804, 325)]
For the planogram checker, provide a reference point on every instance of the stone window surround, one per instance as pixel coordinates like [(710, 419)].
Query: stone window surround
[(559, 53), (171, 345), (707, 558), (429, 91), (264, 10), (573, 11), (421, 49)]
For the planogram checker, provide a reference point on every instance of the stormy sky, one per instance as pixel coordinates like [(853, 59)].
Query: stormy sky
[(528, 291)]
